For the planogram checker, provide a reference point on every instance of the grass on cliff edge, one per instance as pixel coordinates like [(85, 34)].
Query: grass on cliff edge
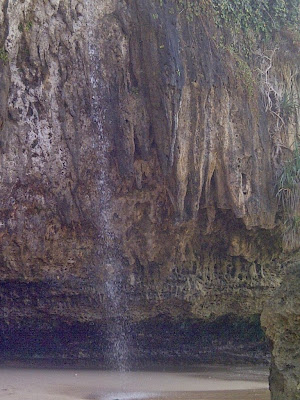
[(288, 194), (244, 23)]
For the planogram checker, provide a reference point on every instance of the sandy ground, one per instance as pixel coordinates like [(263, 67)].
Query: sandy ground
[(209, 383)]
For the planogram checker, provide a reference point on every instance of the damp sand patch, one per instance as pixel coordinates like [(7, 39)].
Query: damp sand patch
[(209, 383)]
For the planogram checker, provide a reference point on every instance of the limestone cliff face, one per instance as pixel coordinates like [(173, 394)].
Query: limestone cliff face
[(126, 128), (281, 318)]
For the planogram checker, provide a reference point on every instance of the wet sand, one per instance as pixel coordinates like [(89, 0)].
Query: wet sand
[(208, 383)]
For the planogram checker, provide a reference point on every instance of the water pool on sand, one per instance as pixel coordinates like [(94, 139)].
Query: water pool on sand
[(205, 383)]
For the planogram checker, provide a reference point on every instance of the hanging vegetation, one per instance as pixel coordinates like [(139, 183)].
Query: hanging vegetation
[(289, 197)]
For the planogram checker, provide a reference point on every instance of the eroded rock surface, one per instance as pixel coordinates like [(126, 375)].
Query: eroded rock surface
[(281, 319), (126, 129)]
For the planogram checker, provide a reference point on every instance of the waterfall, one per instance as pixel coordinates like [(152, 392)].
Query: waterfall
[(115, 299)]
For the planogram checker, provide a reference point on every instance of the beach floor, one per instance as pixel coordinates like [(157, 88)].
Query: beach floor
[(207, 383)]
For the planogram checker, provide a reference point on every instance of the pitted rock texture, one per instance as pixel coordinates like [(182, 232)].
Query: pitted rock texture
[(281, 319), (126, 129)]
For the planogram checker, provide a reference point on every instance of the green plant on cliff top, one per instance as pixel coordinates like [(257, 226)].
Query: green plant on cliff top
[(288, 106), (289, 196), (25, 27), (3, 55), (257, 16), (246, 21)]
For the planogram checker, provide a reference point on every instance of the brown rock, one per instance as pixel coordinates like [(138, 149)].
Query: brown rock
[(133, 151), (281, 319)]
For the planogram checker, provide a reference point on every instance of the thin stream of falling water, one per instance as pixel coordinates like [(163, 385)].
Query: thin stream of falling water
[(117, 353)]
